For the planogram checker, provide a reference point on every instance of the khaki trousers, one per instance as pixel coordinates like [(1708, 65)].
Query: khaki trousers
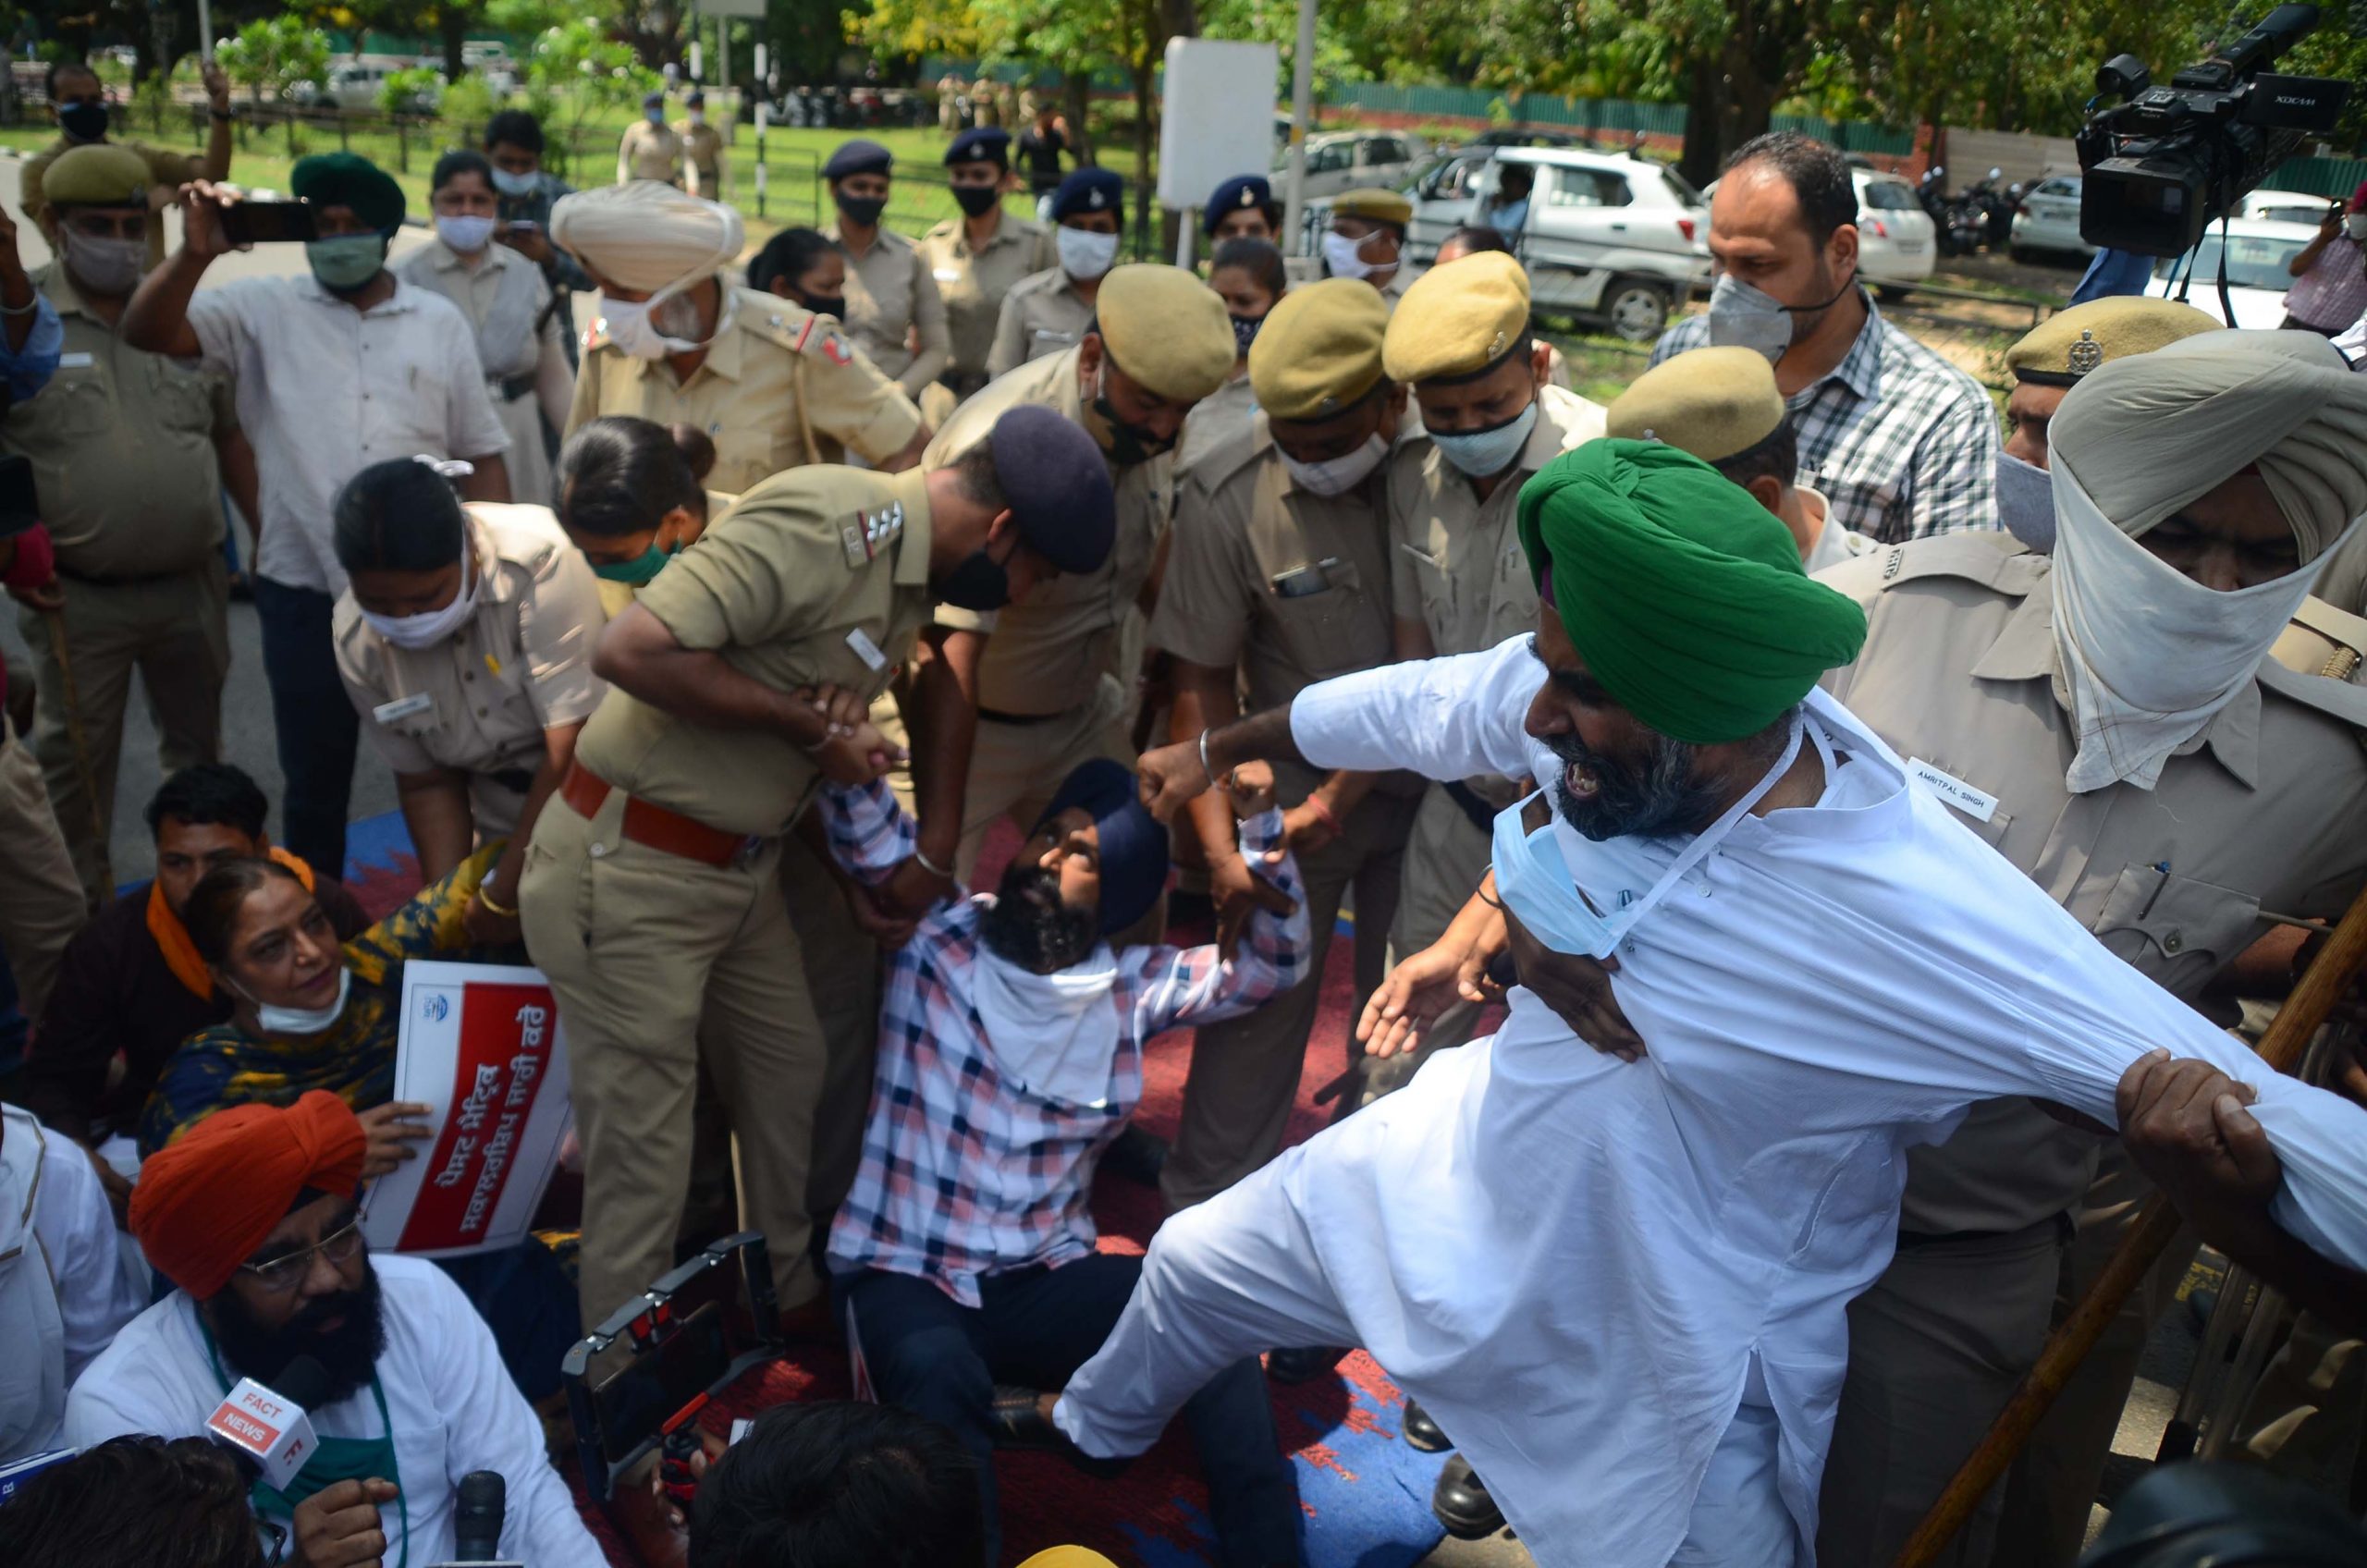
[(1936, 1348), (1014, 769), (1246, 1071), (842, 976), (660, 964), (41, 903), (174, 630)]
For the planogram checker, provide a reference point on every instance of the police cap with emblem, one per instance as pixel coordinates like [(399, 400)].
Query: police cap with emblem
[(981, 144), (2070, 344), (1089, 190), (858, 157), (1319, 351), (1242, 193), (1166, 329), (1458, 320), (1715, 403), (1374, 205), (1056, 484)]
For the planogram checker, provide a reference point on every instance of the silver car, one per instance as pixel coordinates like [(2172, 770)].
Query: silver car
[(1346, 160), (2048, 220)]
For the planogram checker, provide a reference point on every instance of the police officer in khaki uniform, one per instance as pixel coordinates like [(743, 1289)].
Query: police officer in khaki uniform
[(1458, 583), (649, 148), (703, 170), (977, 258), (894, 311), (1367, 240), (127, 453), (1965, 672), (1048, 314), (1052, 681), (652, 894), (1279, 578), (771, 384)]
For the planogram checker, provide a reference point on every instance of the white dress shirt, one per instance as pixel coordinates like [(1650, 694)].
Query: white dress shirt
[(326, 391), (1592, 1261), (63, 1294), (452, 1406)]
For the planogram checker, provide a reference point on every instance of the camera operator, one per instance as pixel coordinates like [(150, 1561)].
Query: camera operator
[(2330, 274)]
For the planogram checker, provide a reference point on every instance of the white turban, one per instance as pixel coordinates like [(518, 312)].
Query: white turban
[(2149, 654), (646, 235)]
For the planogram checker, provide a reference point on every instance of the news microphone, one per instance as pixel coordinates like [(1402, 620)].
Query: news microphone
[(266, 1430), (476, 1517)]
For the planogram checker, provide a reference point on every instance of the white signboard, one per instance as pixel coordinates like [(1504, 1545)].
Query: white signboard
[(480, 1046), (1215, 117)]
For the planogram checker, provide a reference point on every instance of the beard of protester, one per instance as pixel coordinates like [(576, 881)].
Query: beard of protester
[(349, 1352), (1031, 926), (1661, 799)]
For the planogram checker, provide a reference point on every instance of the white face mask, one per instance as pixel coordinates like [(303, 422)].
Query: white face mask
[(105, 266), (274, 1020), (1482, 454), (633, 324), (1338, 476), (1744, 316), (466, 235), (698, 117), (1085, 255), (430, 627), (2355, 224), (1345, 257)]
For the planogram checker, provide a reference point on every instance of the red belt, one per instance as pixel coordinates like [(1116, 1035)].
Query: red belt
[(652, 826)]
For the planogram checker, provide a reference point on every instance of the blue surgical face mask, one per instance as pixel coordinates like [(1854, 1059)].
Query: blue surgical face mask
[(1485, 453), (2026, 502), (519, 185)]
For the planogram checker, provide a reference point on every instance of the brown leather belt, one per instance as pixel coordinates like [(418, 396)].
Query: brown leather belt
[(652, 826)]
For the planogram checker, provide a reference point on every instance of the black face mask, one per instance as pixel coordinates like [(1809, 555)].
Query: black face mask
[(977, 583), (1244, 331), (862, 210), (85, 121), (833, 305), (977, 199)]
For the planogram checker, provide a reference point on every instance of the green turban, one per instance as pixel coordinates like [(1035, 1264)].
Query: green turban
[(349, 180), (1684, 594)]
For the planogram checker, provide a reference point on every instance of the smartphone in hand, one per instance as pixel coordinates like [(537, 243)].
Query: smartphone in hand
[(267, 223)]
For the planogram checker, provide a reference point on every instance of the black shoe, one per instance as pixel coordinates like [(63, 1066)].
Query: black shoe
[(1138, 1156), (1423, 1433), (1462, 1503), (1303, 1364), (1020, 1424)]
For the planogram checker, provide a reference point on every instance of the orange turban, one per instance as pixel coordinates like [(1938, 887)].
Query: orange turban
[(208, 1199)]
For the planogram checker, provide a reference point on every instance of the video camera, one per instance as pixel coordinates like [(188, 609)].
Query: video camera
[(2162, 165)]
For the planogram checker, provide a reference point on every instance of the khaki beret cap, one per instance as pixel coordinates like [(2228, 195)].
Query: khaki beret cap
[(2070, 344), (100, 174), (1320, 349), (1166, 329), (1371, 202), (1711, 402), (1458, 319)]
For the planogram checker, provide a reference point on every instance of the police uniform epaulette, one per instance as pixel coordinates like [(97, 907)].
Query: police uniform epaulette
[(2323, 641), (798, 331), (862, 534), (1990, 558)]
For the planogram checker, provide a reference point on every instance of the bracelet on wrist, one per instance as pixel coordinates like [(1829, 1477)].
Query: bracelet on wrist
[(492, 905), (28, 308), (931, 866), (1214, 782)]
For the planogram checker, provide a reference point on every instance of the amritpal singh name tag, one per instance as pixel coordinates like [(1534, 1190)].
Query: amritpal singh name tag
[(1978, 804)]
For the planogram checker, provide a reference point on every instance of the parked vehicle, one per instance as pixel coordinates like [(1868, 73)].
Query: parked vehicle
[(355, 87), (2259, 257), (2047, 220), (1347, 159), (1610, 239), (1897, 242), (2286, 206)]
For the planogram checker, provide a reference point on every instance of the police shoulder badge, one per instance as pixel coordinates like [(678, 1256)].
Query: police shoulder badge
[(864, 535)]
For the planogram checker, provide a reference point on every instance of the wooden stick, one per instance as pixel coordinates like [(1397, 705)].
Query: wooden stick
[(2328, 977), (81, 741)]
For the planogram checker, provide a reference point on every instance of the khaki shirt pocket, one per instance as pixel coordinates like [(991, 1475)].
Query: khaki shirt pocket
[(2177, 931), (78, 403), (183, 397), (1329, 631)]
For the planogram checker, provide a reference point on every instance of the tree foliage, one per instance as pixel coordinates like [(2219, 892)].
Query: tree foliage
[(270, 55)]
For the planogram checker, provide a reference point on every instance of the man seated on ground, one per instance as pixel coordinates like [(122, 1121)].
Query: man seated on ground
[(132, 987), (1011, 1055), (1620, 1276), (837, 1484), (254, 1216)]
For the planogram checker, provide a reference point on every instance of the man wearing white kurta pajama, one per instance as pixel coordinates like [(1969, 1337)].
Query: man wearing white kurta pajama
[(1622, 1286)]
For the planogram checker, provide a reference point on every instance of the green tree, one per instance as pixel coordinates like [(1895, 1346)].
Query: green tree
[(274, 53)]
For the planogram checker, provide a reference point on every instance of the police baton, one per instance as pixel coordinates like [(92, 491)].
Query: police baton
[(81, 741), (2322, 985)]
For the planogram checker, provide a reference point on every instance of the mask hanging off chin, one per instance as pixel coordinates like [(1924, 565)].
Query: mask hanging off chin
[(1124, 443)]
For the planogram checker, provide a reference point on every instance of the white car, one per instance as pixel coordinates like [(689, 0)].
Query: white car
[(2048, 219), (2258, 259), (2286, 206), (1349, 159), (1897, 242)]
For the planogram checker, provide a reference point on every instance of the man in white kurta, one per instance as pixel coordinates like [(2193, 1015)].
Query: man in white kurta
[(1622, 1286)]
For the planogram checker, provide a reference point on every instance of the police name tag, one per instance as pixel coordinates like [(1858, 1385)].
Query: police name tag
[(403, 707), (74, 362), (865, 649), (1978, 804)]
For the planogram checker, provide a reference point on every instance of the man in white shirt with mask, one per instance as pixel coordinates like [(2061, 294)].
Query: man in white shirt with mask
[(1621, 1282)]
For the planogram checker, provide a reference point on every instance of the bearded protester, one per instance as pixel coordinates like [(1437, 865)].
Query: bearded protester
[(255, 1217), (1010, 1055), (1622, 1283)]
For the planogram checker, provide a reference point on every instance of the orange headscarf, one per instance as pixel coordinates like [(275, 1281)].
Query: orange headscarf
[(180, 953), (205, 1201)]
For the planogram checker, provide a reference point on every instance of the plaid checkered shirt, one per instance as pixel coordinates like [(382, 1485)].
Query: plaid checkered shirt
[(964, 1172), (1903, 443)]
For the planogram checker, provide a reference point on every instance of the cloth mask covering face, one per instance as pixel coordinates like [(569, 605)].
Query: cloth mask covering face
[(2026, 502), (85, 121), (632, 327), (977, 583), (2355, 224), (831, 305), (1338, 475), (1534, 878), (513, 184), (1129, 443), (1483, 453), (430, 627), (276, 1019), (657, 116), (1344, 256), (345, 262), (111, 267), (466, 235), (1085, 255), (639, 570), (1245, 332), (862, 210), (977, 199)]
